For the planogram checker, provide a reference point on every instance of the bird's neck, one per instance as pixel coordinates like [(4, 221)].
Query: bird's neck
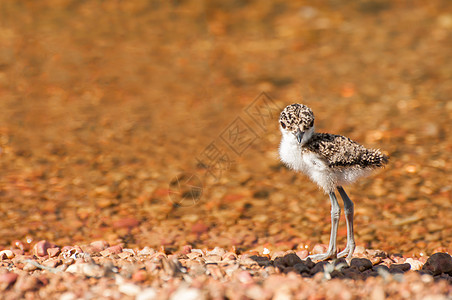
[(308, 135)]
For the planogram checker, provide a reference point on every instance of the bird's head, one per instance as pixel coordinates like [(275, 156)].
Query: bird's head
[(297, 123)]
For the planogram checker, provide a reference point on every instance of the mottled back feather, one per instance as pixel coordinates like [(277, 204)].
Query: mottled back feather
[(340, 151)]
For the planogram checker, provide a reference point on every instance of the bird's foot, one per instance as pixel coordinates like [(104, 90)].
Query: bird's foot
[(323, 256), (347, 252)]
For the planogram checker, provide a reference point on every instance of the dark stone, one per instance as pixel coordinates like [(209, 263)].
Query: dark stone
[(438, 263), (380, 267), (402, 267), (361, 264), (288, 260), (262, 261), (342, 261), (352, 273), (301, 268), (309, 263), (319, 267)]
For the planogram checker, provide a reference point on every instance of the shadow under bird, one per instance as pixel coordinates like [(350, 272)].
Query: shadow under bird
[(329, 160)]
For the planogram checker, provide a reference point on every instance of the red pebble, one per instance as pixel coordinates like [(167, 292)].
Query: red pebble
[(100, 245), (18, 244), (186, 249), (112, 250), (18, 251), (303, 254), (40, 248), (52, 252), (199, 228), (319, 249), (126, 223), (8, 278), (245, 277), (139, 276)]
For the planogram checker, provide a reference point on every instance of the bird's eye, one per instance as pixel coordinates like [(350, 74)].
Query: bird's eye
[(283, 125)]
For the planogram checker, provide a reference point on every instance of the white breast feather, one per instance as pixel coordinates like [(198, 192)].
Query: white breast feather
[(315, 167)]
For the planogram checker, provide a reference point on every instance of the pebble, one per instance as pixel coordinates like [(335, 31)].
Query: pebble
[(53, 252), (319, 249), (68, 261), (319, 267), (361, 264), (375, 260), (359, 250), (147, 294), (29, 267), (18, 251), (438, 263), (6, 254), (376, 253), (158, 256), (186, 294), (193, 255), (378, 293), (229, 256), (186, 249), (27, 283), (380, 268), (309, 263), (40, 248), (302, 254), (199, 228), (126, 223), (301, 268), (124, 255), (51, 262), (248, 262), (146, 251), (19, 244), (197, 251), (215, 271), (68, 296), (256, 292), (245, 277), (415, 264), (69, 251), (111, 250), (129, 289), (288, 260), (99, 245), (213, 258), (352, 273), (139, 276), (262, 261), (8, 278), (402, 267), (270, 270), (216, 251), (87, 269)]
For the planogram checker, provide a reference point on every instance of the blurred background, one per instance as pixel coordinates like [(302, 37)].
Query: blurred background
[(154, 123)]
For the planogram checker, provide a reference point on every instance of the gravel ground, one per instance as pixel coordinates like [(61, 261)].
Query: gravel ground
[(118, 123), (99, 270)]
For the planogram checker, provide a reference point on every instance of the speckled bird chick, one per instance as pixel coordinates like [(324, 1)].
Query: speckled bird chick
[(330, 161)]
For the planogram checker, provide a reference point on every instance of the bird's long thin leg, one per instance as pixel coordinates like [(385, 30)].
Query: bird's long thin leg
[(349, 211), (335, 214)]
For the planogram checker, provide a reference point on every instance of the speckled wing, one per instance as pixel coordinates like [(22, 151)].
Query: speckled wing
[(340, 151)]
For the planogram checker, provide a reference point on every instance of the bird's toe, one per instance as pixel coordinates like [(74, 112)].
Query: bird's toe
[(323, 256)]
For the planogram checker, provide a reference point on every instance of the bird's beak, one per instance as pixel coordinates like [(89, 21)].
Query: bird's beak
[(299, 135)]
